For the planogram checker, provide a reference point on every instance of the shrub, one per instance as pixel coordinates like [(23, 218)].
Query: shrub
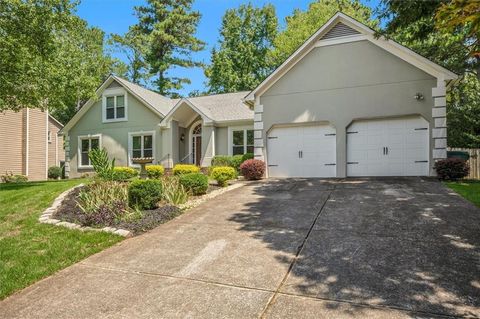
[(10, 178), (237, 160), (103, 167), (196, 183), (247, 156), (144, 193), (253, 169), (173, 192), (54, 172), (102, 202), (222, 160), (222, 174), (181, 169), (155, 171), (124, 173), (451, 168)]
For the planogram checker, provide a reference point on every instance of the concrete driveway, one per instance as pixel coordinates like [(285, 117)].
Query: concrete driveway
[(379, 248)]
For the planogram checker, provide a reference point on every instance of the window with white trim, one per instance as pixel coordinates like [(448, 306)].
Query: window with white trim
[(114, 105), (49, 136), (242, 142), (142, 145), (86, 145)]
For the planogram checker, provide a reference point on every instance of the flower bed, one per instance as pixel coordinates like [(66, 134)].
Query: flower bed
[(69, 214)]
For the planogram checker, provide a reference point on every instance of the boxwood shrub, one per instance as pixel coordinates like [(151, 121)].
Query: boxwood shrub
[(155, 171), (144, 193), (222, 160), (247, 156), (451, 168), (181, 169), (121, 173), (196, 183), (54, 172), (222, 174), (253, 169)]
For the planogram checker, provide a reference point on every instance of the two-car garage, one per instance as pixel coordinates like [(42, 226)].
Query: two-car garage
[(378, 147)]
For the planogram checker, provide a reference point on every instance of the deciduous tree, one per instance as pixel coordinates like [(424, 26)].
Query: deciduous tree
[(240, 61)]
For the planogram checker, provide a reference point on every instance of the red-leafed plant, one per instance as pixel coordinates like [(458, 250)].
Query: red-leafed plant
[(253, 169), (451, 168)]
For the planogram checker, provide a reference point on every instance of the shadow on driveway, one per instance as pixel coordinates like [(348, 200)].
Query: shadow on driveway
[(406, 243)]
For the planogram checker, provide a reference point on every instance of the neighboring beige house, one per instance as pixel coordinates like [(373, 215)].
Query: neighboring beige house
[(30, 143), (346, 103)]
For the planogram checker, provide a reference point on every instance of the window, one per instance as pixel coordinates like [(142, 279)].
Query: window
[(49, 136), (115, 105), (86, 144), (242, 141), (142, 145)]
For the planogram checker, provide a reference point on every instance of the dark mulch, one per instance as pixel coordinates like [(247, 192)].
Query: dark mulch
[(150, 219), (70, 212)]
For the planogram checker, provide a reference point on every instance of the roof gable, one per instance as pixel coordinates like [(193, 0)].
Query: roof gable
[(341, 29), (157, 103)]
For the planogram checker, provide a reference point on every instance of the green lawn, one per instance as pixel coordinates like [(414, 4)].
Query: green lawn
[(29, 250), (468, 189)]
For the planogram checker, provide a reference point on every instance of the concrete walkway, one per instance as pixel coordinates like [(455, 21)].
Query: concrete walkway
[(380, 248)]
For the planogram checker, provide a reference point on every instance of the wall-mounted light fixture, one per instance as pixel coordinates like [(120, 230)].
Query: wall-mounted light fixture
[(182, 137), (418, 96)]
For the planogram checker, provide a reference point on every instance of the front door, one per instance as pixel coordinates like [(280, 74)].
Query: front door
[(196, 144), (198, 150)]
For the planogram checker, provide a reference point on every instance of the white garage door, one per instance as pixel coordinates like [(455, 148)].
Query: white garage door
[(394, 147), (302, 151)]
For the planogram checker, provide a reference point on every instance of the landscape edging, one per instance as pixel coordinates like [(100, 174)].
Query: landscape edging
[(46, 217)]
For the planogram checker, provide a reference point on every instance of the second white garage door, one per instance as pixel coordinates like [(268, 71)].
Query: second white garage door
[(394, 147), (302, 151)]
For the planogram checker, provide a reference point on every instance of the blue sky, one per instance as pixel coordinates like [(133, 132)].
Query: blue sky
[(115, 16)]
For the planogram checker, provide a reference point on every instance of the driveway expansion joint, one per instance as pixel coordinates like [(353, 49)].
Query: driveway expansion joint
[(295, 258), (155, 274)]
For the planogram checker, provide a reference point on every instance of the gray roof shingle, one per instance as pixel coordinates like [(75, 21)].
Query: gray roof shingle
[(161, 103), (218, 107), (223, 107)]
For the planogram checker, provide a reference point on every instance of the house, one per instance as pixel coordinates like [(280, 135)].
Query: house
[(345, 103), (30, 143)]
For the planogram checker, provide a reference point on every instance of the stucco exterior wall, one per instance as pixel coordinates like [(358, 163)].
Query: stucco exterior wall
[(115, 134), (344, 82), (221, 141)]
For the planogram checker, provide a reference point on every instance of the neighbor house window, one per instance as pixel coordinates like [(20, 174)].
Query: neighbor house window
[(242, 142), (86, 144), (49, 136), (142, 144), (115, 106)]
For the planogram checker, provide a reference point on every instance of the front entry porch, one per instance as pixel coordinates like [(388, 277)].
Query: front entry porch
[(188, 135)]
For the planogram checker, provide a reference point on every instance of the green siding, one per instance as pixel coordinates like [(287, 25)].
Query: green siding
[(114, 135)]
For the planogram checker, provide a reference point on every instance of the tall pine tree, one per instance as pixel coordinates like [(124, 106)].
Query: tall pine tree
[(170, 26), (240, 62)]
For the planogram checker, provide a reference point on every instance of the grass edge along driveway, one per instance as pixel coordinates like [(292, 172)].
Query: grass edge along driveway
[(29, 250), (468, 189)]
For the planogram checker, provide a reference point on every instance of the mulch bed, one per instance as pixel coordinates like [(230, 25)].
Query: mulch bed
[(70, 212)]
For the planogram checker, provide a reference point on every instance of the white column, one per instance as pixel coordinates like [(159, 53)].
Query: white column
[(208, 144)]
